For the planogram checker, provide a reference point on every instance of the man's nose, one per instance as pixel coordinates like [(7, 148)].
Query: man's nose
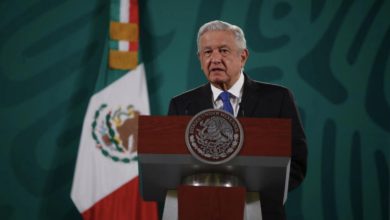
[(216, 56)]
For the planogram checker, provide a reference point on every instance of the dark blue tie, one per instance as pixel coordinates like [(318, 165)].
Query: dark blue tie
[(227, 106)]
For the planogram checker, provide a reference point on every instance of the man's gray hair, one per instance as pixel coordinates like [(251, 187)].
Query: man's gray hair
[(223, 26)]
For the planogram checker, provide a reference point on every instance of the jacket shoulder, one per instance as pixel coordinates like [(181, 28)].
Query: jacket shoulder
[(268, 87), (191, 94)]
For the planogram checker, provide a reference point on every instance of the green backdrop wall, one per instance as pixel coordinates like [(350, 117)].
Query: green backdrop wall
[(334, 56)]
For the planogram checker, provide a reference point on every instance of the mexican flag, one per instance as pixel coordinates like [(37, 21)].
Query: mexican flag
[(105, 184)]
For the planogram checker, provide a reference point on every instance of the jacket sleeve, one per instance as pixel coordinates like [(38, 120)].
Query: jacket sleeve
[(298, 146), (172, 108)]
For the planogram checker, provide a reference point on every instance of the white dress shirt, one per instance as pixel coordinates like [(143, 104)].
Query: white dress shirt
[(235, 98)]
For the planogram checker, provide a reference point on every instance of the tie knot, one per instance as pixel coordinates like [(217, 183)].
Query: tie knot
[(225, 96)]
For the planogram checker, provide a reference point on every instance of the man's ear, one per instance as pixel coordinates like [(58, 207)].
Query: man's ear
[(244, 56), (199, 58)]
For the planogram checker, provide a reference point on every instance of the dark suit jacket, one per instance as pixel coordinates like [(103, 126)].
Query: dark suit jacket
[(260, 100)]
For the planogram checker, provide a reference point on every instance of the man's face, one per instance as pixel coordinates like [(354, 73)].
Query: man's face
[(220, 58)]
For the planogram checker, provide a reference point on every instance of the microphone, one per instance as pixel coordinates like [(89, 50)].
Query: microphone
[(186, 108), (241, 109)]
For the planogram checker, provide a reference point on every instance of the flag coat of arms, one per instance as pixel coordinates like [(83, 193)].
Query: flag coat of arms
[(105, 184)]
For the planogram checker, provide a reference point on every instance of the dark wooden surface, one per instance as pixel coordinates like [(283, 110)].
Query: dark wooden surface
[(262, 136), (211, 203)]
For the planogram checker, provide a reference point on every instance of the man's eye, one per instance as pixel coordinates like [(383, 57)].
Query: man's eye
[(224, 51), (207, 52)]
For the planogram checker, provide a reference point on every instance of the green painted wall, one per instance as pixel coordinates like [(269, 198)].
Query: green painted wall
[(334, 56)]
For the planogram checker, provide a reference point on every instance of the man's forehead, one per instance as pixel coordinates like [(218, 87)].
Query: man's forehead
[(217, 39), (217, 33), (215, 46)]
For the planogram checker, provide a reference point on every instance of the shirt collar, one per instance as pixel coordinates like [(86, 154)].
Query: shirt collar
[(235, 90)]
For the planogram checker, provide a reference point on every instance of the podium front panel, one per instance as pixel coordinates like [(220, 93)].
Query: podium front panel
[(164, 160)]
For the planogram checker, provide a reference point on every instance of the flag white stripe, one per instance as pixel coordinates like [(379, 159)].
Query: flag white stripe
[(124, 17), (124, 11), (123, 45)]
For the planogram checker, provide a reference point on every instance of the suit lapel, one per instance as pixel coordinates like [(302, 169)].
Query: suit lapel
[(250, 99), (202, 101), (249, 102)]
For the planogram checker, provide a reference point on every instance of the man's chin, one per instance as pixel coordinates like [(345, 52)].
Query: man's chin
[(217, 77), (217, 80), (219, 83)]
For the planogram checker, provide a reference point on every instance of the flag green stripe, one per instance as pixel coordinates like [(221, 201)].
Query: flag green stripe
[(115, 10), (113, 75), (113, 44)]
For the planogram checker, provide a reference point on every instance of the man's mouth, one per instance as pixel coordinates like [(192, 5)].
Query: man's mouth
[(215, 69)]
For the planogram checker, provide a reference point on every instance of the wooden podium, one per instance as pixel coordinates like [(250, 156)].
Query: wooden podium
[(262, 165)]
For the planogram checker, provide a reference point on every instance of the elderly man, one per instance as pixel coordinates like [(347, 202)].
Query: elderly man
[(222, 54)]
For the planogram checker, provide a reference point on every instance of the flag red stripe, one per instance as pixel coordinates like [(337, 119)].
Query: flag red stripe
[(133, 46), (125, 203), (134, 19)]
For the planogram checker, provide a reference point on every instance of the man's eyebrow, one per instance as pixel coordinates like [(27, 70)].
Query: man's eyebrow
[(221, 46), (224, 46)]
